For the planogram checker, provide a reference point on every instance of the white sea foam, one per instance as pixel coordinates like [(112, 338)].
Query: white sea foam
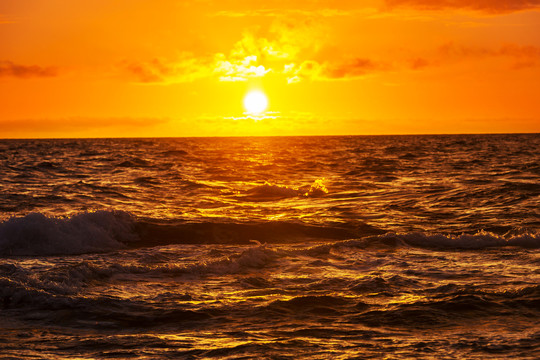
[(37, 234), (480, 240)]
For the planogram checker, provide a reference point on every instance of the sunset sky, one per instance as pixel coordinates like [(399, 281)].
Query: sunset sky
[(116, 68)]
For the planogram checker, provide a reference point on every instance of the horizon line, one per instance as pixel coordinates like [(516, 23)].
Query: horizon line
[(264, 136)]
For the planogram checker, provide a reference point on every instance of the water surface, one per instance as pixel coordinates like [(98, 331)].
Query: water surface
[(401, 246)]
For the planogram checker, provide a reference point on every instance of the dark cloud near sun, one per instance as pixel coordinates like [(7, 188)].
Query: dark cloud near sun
[(10, 69), (488, 6)]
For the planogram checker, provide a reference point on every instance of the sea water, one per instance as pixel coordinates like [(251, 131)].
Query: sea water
[(271, 248)]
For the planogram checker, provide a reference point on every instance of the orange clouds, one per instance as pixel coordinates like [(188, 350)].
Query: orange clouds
[(10, 69), (346, 69), (252, 56), (489, 6), (190, 68), (291, 50)]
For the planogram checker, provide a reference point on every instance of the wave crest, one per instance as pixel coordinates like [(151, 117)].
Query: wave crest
[(478, 241), (268, 191), (38, 235)]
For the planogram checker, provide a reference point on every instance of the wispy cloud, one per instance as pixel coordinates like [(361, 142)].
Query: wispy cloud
[(84, 127), (10, 69), (337, 70), (522, 55), (488, 6), (184, 68), (276, 12), (78, 124), (4, 19)]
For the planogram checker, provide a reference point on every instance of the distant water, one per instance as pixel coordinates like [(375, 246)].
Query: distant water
[(271, 248)]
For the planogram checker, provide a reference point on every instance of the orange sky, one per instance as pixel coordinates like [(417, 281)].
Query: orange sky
[(114, 68)]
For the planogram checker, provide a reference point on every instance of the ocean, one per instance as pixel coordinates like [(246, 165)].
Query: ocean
[(367, 247)]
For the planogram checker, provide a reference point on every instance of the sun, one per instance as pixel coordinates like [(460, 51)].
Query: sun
[(255, 102)]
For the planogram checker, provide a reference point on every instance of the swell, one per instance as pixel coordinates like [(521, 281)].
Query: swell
[(427, 311), (33, 302), (101, 231), (430, 308), (66, 293), (36, 234), (463, 304)]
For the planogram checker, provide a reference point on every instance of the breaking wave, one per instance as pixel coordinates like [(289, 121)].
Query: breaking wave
[(481, 240), (37, 234)]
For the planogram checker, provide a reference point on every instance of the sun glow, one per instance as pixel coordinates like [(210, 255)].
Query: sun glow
[(255, 102)]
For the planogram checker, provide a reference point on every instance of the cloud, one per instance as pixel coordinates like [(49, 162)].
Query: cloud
[(323, 12), (523, 55), (87, 127), (418, 63), (185, 68), (190, 68), (273, 123), (352, 68), (349, 69), (488, 6), (254, 55), (81, 127), (298, 51), (78, 123), (325, 9), (4, 19), (239, 70), (10, 69)]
